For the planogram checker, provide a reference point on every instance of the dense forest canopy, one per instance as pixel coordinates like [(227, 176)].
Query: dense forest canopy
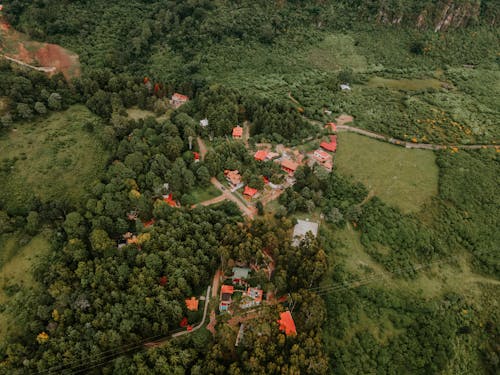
[(131, 245)]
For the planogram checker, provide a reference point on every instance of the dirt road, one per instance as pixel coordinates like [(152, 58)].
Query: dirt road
[(202, 147), (247, 211)]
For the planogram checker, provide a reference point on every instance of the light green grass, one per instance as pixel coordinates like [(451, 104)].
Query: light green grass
[(18, 257), (204, 194), (137, 113), (337, 52), (405, 84), (401, 177), (56, 159)]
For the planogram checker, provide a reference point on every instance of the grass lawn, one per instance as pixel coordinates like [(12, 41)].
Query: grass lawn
[(51, 158), (204, 194), (401, 177), (17, 255)]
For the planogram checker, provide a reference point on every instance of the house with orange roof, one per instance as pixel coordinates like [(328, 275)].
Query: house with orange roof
[(169, 199), (226, 293), (237, 132), (287, 325), (250, 192), (260, 155), (178, 99), (251, 297), (192, 304), (289, 166)]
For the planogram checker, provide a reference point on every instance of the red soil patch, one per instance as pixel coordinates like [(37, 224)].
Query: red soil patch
[(60, 58), (17, 45)]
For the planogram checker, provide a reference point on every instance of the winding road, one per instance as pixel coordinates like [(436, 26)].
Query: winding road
[(395, 141)]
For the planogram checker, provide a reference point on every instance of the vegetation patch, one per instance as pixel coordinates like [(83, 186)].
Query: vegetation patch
[(18, 255), (49, 158), (403, 178), (336, 52), (405, 84), (203, 194)]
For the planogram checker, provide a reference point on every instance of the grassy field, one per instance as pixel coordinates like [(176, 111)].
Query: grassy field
[(335, 52), (50, 158), (204, 194), (17, 255), (403, 178), (405, 84)]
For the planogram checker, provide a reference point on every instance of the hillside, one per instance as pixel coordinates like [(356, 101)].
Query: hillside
[(251, 187)]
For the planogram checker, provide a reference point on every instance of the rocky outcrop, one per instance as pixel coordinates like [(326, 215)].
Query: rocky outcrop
[(440, 15)]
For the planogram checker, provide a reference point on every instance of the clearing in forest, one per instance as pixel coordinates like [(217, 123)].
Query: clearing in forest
[(18, 46), (406, 84), (52, 158), (17, 256), (336, 52), (401, 177)]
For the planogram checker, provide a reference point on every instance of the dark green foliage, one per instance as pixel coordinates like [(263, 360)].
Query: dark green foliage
[(470, 214)]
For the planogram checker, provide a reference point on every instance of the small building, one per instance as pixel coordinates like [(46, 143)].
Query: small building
[(289, 166), (252, 297), (272, 155), (287, 325), (196, 156), (330, 146), (321, 156), (204, 123), (178, 100), (332, 126), (192, 304), (345, 87), (260, 155), (169, 199), (237, 132), (233, 177), (226, 293), (240, 275), (149, 223), (302, 228), (250, 192)]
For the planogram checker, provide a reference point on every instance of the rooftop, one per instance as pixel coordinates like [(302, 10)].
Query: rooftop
[(249, 191), (287, 324), (192, 304), (261, 155), (237, 131)]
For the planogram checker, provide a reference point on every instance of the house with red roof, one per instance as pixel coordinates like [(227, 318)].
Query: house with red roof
[(237, 132), (287, 324), (226, 293), (250, 192), (196, 156), (149, 223), (178, 100), (169, 199), (330, 146), (289, 166), (260, 155)]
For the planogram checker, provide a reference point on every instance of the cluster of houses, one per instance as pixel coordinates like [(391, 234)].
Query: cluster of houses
[(250, 296)]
